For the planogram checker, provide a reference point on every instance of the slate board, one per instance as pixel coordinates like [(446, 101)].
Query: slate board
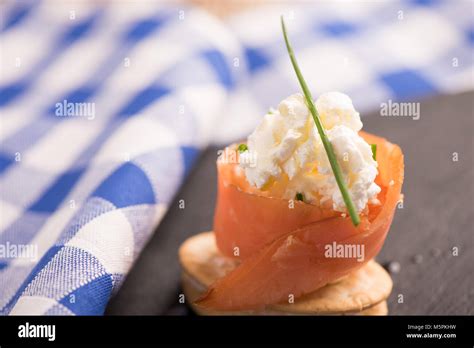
[(437, 216)]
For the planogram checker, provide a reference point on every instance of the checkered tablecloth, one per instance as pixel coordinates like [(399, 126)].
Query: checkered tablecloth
[(105, 108)]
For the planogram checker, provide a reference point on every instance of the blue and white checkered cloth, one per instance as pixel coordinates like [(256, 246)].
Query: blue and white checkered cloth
[(105, 108)]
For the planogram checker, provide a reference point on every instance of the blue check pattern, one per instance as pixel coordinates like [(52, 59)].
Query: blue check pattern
[(81, 193)]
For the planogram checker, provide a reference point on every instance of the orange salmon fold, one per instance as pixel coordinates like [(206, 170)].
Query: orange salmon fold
[(283, 250)]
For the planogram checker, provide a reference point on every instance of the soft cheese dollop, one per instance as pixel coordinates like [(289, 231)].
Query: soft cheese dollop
[(291, 160), (336, 109)]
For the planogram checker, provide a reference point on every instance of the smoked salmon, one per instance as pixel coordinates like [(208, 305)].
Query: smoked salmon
[(282, 247)]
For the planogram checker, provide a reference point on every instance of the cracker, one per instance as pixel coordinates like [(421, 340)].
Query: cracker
[(364, 290)]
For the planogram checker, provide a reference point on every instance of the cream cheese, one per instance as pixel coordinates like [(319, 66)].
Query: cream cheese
[(289, 153)]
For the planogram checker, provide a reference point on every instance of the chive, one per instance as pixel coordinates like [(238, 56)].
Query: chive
[(270, 112), (299, 197), (327, 144), (242, 148), (374, 151)]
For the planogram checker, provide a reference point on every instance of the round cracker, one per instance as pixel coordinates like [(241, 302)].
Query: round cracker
[(361, 290), (193, 290)]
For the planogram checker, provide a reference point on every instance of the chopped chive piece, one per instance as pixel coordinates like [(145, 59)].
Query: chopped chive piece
[(299, 197), (242, 148), (374, 151), (270, 112), (327, 144)]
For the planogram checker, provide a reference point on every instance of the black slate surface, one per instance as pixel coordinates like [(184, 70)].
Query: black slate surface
[(437, 217)]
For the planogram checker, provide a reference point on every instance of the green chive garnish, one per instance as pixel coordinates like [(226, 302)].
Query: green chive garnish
[(374, 151), (299, 197), (327, 144), (242, 148)]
